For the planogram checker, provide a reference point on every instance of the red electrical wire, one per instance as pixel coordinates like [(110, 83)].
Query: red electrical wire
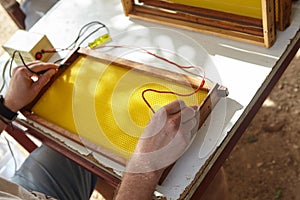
[(169, 92), (168, 61), (54, 50)]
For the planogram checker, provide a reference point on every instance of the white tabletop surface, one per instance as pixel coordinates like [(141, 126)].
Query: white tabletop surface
[(243, 68)]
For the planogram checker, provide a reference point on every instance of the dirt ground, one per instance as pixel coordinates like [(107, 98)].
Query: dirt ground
[(265, 164)]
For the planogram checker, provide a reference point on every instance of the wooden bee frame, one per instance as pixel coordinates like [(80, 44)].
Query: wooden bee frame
[(214, 93), (232, 26)]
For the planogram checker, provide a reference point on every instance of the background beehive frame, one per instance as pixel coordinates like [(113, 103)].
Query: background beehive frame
[(283, 17), (232, 26), (215, 92)]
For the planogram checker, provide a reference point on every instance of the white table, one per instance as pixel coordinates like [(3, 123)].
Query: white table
[(249, 72)]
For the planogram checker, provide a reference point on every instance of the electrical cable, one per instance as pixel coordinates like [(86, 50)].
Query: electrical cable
[(78, 40), (84, 29), (12, 153), (157, 56), (73, 45), (3, 76), (23, 62), (76, 43), (169, 92), (170, 62)]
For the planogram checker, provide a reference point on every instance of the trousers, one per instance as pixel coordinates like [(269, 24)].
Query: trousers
[(49, 172)]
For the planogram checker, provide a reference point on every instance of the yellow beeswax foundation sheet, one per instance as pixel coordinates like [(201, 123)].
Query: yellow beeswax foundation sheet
[(103, 103), (249, 8)]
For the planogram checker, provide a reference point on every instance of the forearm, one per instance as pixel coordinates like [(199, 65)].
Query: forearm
[(164, 139), (138, 186)]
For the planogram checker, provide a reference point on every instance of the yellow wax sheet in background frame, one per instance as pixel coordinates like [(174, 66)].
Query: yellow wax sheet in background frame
[(103, 103), (249, 8)]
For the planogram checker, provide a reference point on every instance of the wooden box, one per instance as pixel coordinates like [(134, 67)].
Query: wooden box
[(28, 44), (256, 25)]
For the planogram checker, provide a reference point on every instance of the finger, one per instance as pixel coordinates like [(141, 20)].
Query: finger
[(174, 107), (189, 125), (195, 107), (23, 71), (37, 67), (17, 68), (45, 78), (188, 129), (33, 63), (187, 113), (28, 65)]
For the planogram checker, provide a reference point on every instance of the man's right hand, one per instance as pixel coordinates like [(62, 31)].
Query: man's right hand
[(165, 138)]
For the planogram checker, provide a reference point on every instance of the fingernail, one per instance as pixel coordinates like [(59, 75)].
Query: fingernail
[(195, 107)]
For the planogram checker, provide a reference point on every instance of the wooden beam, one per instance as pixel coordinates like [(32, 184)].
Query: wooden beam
[(21, 138), (14, 11)]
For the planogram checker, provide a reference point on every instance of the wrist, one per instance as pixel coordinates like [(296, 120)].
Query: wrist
[(10, 103), (8, 112), (11, 106)]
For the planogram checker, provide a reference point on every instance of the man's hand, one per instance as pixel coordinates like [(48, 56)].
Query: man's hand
[(164, 140), (24, 85)]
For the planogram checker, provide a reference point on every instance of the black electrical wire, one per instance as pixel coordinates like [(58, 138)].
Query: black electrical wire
[(23, 62), (9, 62), (73, 45), (12, 153), (3, 75), (83, 30), (76, 43)]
